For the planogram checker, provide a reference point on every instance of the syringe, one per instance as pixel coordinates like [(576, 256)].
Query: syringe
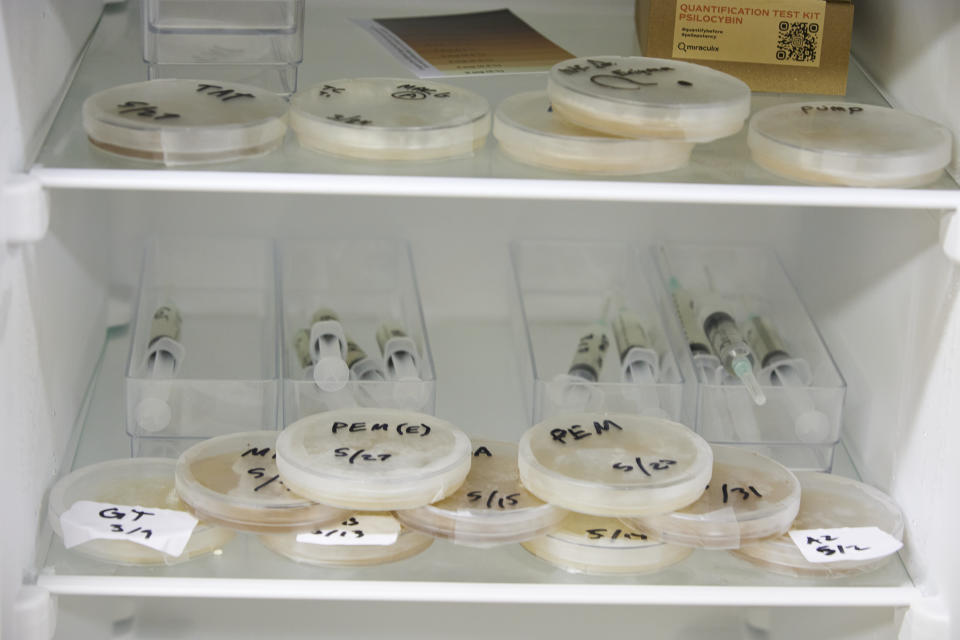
[(793, 374), (704, 361), (399, 352), (731, 347), (322, 351), (164, 355), (362, 366), (402, 360), (639, 362), (574, 390)]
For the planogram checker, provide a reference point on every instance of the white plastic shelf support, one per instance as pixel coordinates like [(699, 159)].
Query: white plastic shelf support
[(34, 613), (24, 209), (950, 234)]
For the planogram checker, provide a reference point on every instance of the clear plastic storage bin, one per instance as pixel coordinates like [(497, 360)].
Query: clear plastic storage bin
[(743, 294), (353, 333), (203, 357), (257, 42), (593, 328)]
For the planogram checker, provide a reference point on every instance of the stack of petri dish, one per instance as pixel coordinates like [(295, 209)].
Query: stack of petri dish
[(845, 143), (181, 122), (369, 462), (492, 507), (598, 493), (603, 467), (645, 492), (828, 502), (621, 115), (750, 497), (390, 119), (141, 483)]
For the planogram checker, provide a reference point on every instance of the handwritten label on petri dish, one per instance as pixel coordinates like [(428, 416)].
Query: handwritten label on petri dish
[(356, 530), (165, 530), (579, 432), (638, 464), (844, 544)]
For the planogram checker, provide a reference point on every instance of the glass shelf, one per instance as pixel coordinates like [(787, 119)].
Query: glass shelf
[(720, 172), (445, 572)]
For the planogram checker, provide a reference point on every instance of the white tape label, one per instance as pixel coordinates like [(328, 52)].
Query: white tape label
[(165, 530), (844, 544), (356, 530)]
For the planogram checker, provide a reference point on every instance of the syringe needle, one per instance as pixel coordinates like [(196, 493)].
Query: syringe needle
[(743, 369)]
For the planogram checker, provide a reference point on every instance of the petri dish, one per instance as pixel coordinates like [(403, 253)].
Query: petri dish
[(408, 543), (849, 144), (640, 97), (828, 501), (750, 497), (145, 482), (179, 121), (373, 459), (233, 480), (528, 130), (390, 119), (491, 507), (614, 464), (590, 544)]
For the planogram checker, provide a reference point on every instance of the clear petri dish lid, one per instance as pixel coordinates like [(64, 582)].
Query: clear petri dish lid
[(828, 501), (614, 464), (233, 480), (180, 121), (527, 128), (408, 543), (649, 97), (750, 497), (144, 482), (491, 507), (390, 119), (591, 544), (848, 144), (373, 459)]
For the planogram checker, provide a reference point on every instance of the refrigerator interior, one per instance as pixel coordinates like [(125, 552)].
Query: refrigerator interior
[(869, 265)]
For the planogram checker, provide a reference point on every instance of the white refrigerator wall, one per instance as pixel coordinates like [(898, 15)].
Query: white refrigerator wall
[(51, 300), (912, 48), (885, 298)]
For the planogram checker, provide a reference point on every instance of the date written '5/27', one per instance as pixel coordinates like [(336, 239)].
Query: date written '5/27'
[(360, 455)]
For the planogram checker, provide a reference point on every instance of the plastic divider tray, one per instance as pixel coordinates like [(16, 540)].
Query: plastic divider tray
[(569, 296), (799, 425)]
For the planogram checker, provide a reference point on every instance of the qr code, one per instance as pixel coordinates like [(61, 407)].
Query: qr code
[(797, 41)]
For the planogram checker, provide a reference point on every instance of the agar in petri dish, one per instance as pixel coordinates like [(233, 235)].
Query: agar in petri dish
[(750, 497), (233, 480), (528, 130), (373, 459), (849, 144), (614, 464), (144, 482), (491, 507), (408, 543), (828, 501), (390, 119), (648, 98), (179, 121), (590, 544)]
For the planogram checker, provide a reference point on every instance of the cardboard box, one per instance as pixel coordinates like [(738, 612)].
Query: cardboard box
[(798, 46)]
